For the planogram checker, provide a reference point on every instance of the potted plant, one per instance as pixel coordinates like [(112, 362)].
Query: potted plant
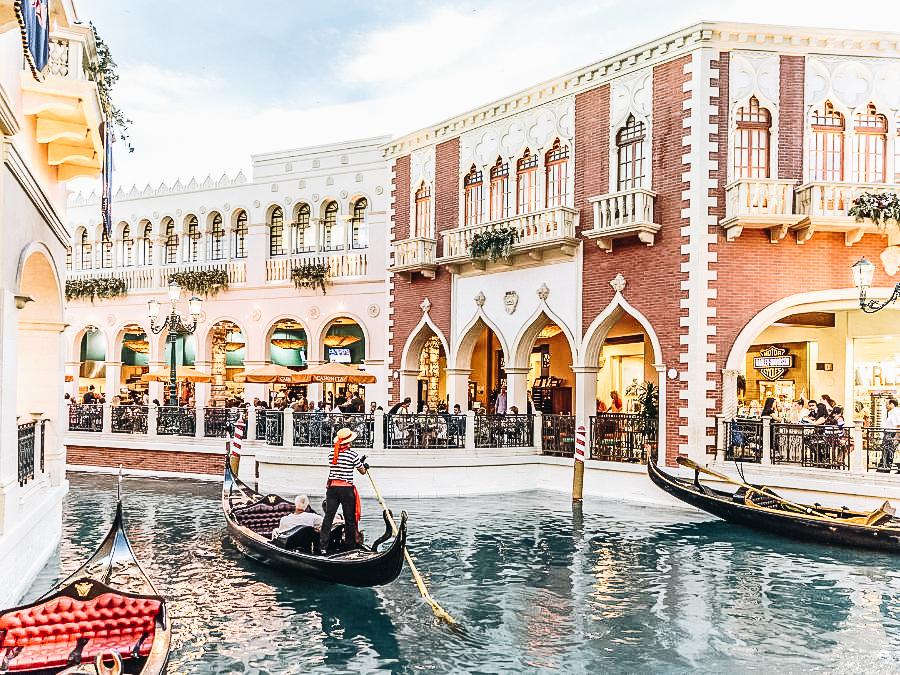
[(105, 288), (883, 208), (311, 275), (494, 243), (648, 400), (205, 282)]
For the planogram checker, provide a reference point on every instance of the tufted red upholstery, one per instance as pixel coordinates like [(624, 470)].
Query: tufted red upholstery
[(263, 517), (50, 631)]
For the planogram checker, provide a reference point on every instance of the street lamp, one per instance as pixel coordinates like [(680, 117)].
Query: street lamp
[(175, 325), (863, 271)]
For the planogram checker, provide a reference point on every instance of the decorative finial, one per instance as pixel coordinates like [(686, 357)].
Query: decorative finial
[(543, 292), (618, 283), (479, 299), (426, 305)]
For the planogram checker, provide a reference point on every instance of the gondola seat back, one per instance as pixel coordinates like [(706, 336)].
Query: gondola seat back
[(301, 538), (263, 516), (66, 630)]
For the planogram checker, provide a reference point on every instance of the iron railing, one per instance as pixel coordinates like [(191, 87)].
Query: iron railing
[(558, 435), (176, 421), (274, 427), (621, 437), (788, 442), (817, 446), (87, 417), (261, 423), (129, 419), (217, 421), (318, 430), (43, 437), (425, 430), (743, 440), (26, 452), (880, 447), (504, 431)]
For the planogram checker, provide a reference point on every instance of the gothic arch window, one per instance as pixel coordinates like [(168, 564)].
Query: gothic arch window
[(240, 235), (298, 230), (826, 149), (753, 129), (193, 240), (499, 190), (472, 184), (359, 236), (328, 225), (276, 232), (422, 226), (556, 166), (171, 241), (630, 154), (527, 183), (147, 244), (217, 238), (68, 258), (869, 145), (127, 247), (85, 251), (106, 250)]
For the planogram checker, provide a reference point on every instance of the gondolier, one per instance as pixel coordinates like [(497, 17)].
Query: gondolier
[(340, 490)]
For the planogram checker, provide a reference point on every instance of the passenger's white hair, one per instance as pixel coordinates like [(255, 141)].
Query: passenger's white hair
[(301, 502)]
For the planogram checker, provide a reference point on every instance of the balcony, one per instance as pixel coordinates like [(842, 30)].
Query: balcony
[(415, 255), (157, 278), (66, 106), (623, 214), (345, 266), (547, 231), (759, 204), (823, 207)]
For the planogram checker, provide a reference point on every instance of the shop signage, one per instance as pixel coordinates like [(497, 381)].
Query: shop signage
[(773, 362)]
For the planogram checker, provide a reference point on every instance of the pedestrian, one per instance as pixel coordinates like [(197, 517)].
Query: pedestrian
[(340, 491), (500, 404), (890, 439)]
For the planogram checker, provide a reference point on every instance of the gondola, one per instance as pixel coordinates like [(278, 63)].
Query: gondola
[(106, 618), (252, 516), (761, 508)]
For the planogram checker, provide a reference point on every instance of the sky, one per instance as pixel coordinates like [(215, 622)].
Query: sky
[(206, 84)]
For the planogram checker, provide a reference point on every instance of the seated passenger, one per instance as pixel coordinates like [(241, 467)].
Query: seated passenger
[(302, 515)]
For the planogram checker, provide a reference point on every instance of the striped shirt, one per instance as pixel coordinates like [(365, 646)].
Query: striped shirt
[(343, 470)]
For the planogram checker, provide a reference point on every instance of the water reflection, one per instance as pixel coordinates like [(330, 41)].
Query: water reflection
[(539, 585)]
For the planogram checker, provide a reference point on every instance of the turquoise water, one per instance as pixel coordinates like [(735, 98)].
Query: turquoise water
[(539, 588)]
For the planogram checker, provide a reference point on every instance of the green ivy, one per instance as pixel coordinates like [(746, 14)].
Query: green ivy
[(311, 275), (206, 282), (104, 75), (494, 243), (105, 288), (882, 207)]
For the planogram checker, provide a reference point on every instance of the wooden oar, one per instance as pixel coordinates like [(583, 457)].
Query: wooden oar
[(439, 611)]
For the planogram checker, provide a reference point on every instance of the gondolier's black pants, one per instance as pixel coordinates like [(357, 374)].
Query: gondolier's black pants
[(345, 497)]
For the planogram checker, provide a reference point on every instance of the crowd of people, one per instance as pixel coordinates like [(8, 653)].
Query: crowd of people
[(825, 411)]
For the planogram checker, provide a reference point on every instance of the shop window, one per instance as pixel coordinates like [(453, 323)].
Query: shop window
[(298, 230), (359, 236), (147, 244), (276, 232), (556, 163), (630, 151), (423, 212), (85, 251), (499, 190), (127, 247), (193, 240), (527, 183), (106, 251), (240, 235), (826, 149), (329, 223), (753, 126), (217, 238), (869, 145), (171, 242)]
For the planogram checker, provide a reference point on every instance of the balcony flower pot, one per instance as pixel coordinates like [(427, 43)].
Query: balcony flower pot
[(311, 275), (493, 244), (882, 208), (205, 282), (104, 288)]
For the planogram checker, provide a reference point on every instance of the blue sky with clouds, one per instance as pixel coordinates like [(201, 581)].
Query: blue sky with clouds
[(209, 83)]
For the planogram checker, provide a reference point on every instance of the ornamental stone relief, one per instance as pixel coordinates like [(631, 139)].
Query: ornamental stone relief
[(422, 165), (632, 94), (853, 82), (754, 74)]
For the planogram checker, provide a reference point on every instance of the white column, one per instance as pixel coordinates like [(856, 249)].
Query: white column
[(729, 393), (200, 424), (113, 379), (458, 387), (152, 418), (585, 394), (287, 438), (257, 253), (107, 418), (858, 460), (517, 389), (378, 436), (766, 440), (470, 431), (250, 431), (409, 380)]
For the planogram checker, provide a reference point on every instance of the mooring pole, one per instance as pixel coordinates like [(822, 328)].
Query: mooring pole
[(578, 478)]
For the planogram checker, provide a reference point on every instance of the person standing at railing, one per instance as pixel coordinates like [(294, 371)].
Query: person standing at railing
[(615, 405), (889, 441), (500, 405)]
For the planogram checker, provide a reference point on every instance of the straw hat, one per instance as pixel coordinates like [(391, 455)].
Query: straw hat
[(345, 436)]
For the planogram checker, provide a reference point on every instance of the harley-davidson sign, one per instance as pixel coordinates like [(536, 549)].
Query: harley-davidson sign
[(773, 362)]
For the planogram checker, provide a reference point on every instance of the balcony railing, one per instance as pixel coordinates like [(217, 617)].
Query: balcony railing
[(743, 440), (759, 203), (129, 419), (504, 431), (26, 451), (274, 427), (880, 446), (621, 437), (176, 421), (217, 422), (318, 430), (623, 214), (823, 207), (148, 278), (86, 417), (431, 430), (538, 232), (415, 255), (343, 266), (558, 435)]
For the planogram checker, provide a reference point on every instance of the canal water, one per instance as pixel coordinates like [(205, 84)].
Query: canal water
[(539, 587)]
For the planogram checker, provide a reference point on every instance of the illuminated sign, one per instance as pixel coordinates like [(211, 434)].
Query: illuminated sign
[(773, 362)]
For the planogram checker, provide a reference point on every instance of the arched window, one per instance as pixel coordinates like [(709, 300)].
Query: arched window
[(298, 230), (106, 250), (217, 238), (85, 251), (68, 257), (127, 247), (276, 232), (472, 183), (826, 149), (870, 145), (171, 241), (148, 244), (556, 163), (499, 190), (526, 183), (193, 240), (753, 127), (240, 235), (359, 236), (630, 149), (328, 225), (423, 212)]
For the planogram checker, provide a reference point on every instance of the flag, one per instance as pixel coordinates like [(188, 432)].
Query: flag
[(106, 200), (34, 20)]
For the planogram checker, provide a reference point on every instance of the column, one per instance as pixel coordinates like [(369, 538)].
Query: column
[(470, 431), (152, 418), (73, 370), (766, 440), (585, 394), (107, 418), (257, 252), (113, 379), (378, 435), (409, 385), (287, 439), (858, 459), (200, 424), (202, 389), (517, 389), (458, 387), (254, 389), (250, 431), (729, 393)]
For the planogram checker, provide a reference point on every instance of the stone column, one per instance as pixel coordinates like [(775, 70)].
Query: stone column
[(409, 380), (256, 245), (200, 424), (250, 432), (152, 418), (378, 435), (458, 387), (73, 370), (858, 460), (470, 431), (287, 439), (729, 393), (766, 440), (107, 418), (585, 394), (517, 389), (113, 379)]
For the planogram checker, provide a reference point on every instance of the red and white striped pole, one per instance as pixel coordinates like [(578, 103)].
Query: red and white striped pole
[(239, 427), (578, 479)]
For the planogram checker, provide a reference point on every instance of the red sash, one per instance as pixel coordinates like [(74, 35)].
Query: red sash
[(342, 483)]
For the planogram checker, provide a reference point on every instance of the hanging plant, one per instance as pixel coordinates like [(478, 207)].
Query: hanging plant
[(882, 207), (105, 288), (311, 275), (494, 243), (103, 73), (205, 282)]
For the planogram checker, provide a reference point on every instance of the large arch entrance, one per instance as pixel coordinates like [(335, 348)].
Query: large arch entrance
[(343, 341), (288, 346), (92, 355), (482, 352), (227, 349)]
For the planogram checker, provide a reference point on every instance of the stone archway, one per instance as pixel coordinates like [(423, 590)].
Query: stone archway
[(481, 353), (549, 374)]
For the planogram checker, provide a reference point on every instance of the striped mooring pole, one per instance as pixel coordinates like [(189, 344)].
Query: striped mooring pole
[(578, 478)]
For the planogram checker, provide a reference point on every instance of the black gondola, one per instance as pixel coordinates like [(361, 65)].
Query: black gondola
[(106, 617), (251, 517), (762, 509)]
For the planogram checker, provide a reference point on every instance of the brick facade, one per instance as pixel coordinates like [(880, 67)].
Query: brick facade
[(170, 461), (591, 151), (790, 118)]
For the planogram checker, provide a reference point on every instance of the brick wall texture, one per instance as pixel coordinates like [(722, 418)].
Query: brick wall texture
[(591, 151), (790, 118), (147, 460)]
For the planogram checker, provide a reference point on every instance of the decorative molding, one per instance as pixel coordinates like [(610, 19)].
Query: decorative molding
[(754, 74), (479, 299), (374, 310), (852, 82), (543, 292), (9, 124), (618, 283), (32, 188), (314, 312), (632, 94), (425, 306), (510, 301), (421, 167)]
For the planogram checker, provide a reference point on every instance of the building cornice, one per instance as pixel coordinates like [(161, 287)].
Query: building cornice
[(714, 35), (30, 185)]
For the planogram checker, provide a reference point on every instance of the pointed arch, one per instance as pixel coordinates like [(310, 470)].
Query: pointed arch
[(543, 316), (409, 359), (465, 344), (604, 322)]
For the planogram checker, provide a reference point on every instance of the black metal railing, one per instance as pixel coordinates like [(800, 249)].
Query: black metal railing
[(26, 452), (743, 440), (558, 435), (621, 437), (880, 447), (43, 446), (274, 427), (176, 421), (788, 442), (318, 430), (86, 417), (217, 421), (261, 423), (504, 431), (827, 447), (425, 430), (129, 419)]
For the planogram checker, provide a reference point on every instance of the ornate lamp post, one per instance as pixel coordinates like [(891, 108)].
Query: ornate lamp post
[(174, 323), (862, 276)]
